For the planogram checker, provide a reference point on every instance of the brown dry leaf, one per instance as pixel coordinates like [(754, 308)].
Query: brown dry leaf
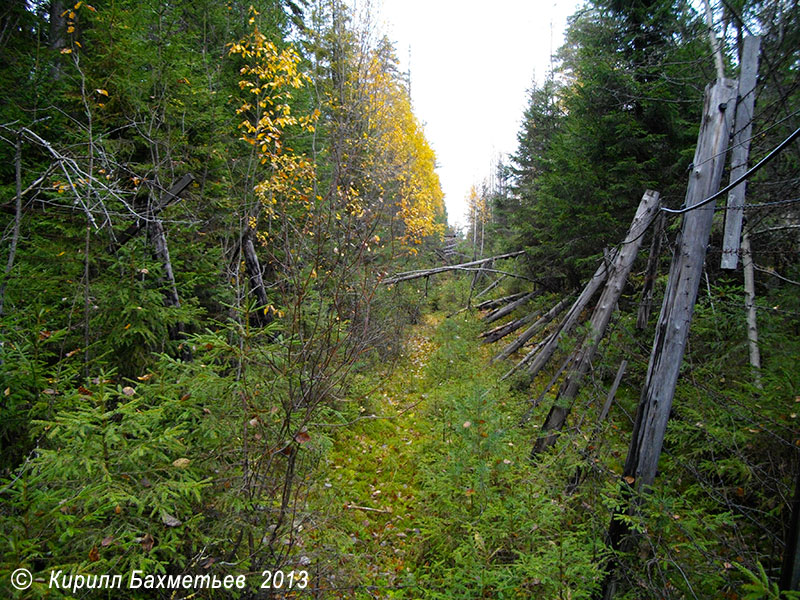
[(629, 480), (72, 353), (117, 509), (147, 542), (145, 377), (181, 463), (302, 437), (84, 391), (107, 541), (185, 397), (94, 554)]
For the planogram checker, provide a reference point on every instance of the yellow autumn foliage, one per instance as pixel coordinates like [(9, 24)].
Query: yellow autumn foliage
[(401, 140), (268, 76)]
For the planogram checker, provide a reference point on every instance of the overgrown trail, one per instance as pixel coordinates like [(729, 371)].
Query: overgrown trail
[(430, 493), (373, 489)]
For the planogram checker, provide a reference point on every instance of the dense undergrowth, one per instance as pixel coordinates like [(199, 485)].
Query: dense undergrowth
[(431, 493)]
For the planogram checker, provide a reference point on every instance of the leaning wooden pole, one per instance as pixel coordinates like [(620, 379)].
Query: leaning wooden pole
[(409, 275), (545, 353), (740, 152), (676, 312), (620, 269)]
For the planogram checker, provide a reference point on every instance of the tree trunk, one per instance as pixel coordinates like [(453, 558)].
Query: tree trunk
[(256, 278), (750, 306), (158, 237), (12, 251)]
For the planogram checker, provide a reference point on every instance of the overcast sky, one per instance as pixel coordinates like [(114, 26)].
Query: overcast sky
[(472, 63)]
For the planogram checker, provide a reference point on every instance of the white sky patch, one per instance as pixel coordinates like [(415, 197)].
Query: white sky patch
[(472, 64)]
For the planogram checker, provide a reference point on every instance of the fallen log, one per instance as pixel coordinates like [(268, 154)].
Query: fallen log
[(408, 275), (494, 303), (501, 331), (509, 308), (532, 330)]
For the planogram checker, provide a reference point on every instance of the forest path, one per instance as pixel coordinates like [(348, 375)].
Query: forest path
[(428, 479), (373, 477)]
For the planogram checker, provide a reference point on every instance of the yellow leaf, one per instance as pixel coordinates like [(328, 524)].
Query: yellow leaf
[(78, 44), (101, 91), (66, 51), (181, 463), (70, 29), (78, 5)]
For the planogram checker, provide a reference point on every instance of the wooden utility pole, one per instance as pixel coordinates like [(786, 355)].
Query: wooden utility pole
[(646, 302), (740, 152), (570, 320), (740, 156), (619, 271), (672, 330)]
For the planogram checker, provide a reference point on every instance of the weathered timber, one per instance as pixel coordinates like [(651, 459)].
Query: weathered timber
[(532, 330), (158, 237), (494, 303), (618, 275), (677, 309), (650, 273), (509, 308), (490, 287), (408, 275), (172, 196), (255, 276), (536, 401), (570, 320), (750, 308), (501, 331), (612, 392), (526, 358), (740, 151), (679, 298)]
